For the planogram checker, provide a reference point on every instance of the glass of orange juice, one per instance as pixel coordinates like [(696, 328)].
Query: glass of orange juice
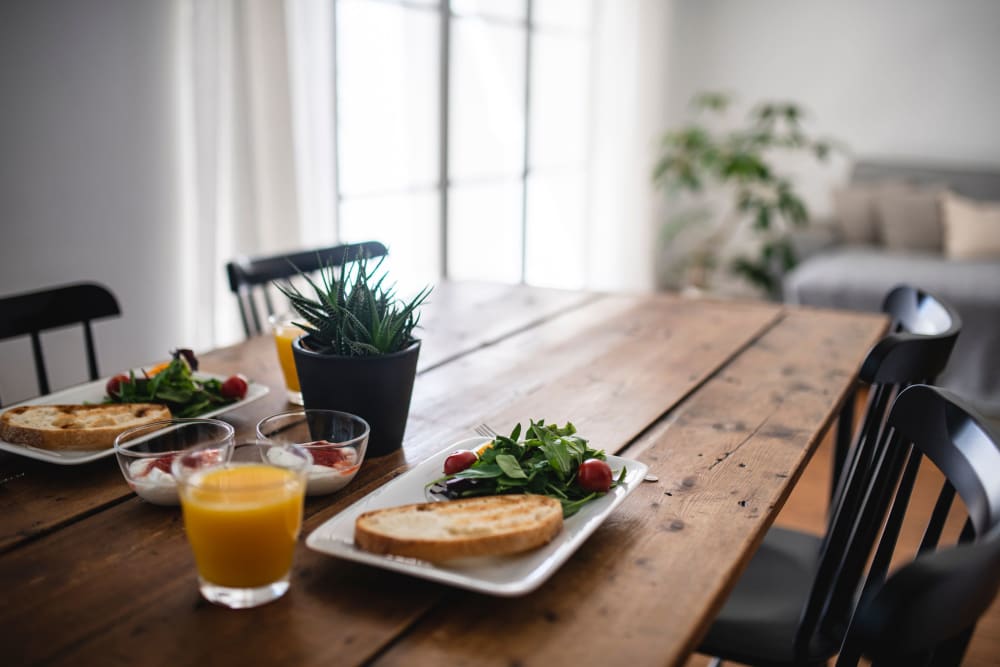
[(242, 517), (284, 333)]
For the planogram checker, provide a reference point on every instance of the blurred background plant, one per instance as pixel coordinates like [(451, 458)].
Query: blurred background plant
[(723, 184)]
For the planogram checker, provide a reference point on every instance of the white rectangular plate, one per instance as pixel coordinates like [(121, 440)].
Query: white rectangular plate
[(93, 392), (503, 575)]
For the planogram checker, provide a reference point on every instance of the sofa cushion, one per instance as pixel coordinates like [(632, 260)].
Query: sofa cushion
[(858, 278), (909, 217), (854, 209), (971, 228)]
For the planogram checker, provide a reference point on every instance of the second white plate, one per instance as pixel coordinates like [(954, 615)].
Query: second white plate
[(93, 392), (505, 575)]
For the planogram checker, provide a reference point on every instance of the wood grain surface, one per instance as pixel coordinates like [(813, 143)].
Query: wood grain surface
[(724, 400)]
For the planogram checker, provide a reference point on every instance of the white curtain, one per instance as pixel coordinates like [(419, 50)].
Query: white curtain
[(254, 89), (629, 101)]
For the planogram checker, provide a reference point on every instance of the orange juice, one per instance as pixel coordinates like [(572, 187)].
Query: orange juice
[(243, 522), (284, 334)]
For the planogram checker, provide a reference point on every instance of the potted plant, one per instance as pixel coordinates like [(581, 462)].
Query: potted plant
[(359, 354), (726, 182)]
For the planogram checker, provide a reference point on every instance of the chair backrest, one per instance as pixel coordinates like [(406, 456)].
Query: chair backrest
[(916, 350), (903, 357), (245, 274), (34, 312), (925, 613), (919, 317), (932, 325)]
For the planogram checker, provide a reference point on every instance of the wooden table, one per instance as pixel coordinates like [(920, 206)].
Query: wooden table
[(725, 401)]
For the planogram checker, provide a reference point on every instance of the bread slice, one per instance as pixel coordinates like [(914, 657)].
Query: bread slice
[(76, 427), (484, 526)]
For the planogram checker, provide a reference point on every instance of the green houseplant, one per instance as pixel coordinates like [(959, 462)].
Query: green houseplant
[(358, 354), (726, 182)]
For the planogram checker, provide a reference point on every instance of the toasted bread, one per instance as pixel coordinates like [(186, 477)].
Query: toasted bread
[(484, 526), (76, 427)]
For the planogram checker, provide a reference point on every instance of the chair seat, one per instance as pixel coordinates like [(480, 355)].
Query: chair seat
[(758, 623)]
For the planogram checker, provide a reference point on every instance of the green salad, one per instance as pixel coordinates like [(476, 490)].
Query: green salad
[(550, 460), (174, 384)]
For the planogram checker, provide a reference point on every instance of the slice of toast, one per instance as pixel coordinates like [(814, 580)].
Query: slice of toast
[(484, 526), (75, 427)]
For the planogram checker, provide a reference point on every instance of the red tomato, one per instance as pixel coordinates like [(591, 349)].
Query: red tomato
[(594, 475), (115, 384), (235, 387), (459, 461)]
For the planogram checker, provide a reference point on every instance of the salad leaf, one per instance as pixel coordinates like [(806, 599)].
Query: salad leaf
[(510, 466)]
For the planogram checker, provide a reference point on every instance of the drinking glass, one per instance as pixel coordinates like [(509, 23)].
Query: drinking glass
[(242, 518), (284, 333)]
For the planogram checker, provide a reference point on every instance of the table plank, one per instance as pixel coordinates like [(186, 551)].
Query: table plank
[(459, 318), (568, 367), (646, 585)]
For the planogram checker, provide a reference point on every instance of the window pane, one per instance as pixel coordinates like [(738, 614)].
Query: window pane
[(487, 100), (484, 232), (559, 100), (388, 66), (557, 229), (572, 15), (503, 9), (407, 224)]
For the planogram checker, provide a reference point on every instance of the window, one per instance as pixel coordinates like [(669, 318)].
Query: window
[(462, 135)]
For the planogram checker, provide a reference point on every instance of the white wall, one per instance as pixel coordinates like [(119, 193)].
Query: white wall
[(87, 175), (914, 79)]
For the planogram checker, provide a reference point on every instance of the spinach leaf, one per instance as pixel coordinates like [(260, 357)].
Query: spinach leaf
[(510, 466), (486, 471), (558, 457)]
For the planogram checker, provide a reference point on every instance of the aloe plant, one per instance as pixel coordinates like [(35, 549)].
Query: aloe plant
[(352, 312)]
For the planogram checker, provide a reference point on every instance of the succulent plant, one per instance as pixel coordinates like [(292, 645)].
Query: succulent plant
[(352, 312)]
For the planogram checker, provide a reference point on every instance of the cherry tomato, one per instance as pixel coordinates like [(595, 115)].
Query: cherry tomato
[(459, 461), (114, 385), (594, 475), (235, 387)]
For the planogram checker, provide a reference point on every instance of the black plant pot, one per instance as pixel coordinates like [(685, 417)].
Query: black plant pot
[(377, 389)]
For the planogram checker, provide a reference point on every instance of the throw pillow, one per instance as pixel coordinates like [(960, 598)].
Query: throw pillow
[(909, 217), (971, 228), (854, 209)]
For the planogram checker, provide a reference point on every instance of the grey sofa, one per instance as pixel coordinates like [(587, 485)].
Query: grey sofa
[(858, 276)]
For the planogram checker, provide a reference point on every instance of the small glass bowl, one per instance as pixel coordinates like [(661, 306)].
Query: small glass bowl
[(146, 452), (336, 440)]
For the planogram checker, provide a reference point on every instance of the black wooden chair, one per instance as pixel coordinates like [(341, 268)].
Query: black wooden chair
[(788, 608), (925, 613), (249, 274), (32, 313)]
